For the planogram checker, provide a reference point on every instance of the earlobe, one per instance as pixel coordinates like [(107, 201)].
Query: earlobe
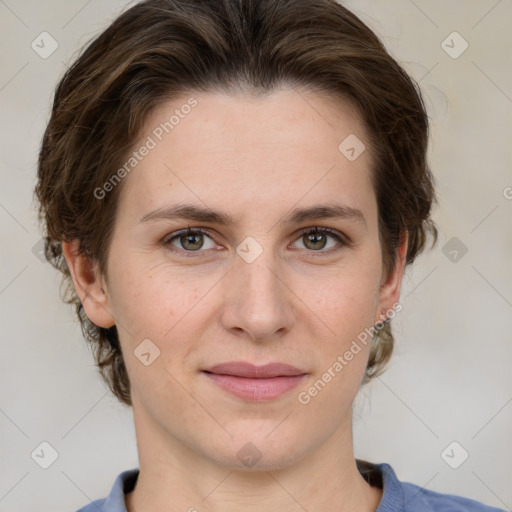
[(389, 293), (88, 285)]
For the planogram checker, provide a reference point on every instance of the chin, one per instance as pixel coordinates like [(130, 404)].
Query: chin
[(250, 452)]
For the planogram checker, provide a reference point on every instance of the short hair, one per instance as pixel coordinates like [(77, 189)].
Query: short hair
[(159, 49)]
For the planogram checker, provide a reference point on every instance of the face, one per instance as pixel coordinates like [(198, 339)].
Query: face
[(272, 278)]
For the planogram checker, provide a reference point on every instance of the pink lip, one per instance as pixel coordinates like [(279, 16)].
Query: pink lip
[(243, 369), (255, 383)]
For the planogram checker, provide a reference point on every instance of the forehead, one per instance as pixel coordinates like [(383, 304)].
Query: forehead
[(269, 150)]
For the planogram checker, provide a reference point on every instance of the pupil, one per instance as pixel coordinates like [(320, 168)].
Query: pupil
[(315, 238), (190, 239)]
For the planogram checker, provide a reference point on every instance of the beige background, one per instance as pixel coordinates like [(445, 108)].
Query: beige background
[(450, 378)]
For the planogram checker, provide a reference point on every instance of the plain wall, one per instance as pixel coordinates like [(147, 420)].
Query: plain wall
[(450, 377)]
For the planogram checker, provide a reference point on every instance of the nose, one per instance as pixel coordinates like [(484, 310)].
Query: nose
[(257, 300)]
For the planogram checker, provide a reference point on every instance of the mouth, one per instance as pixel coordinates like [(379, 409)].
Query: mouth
[(255, 383)]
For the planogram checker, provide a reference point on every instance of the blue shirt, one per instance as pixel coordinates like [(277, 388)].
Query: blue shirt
[(397, 496)]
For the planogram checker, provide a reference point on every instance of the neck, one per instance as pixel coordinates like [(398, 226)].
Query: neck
[(174, 477)]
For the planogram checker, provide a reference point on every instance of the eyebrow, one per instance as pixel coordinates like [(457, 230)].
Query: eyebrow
[(296, 216)]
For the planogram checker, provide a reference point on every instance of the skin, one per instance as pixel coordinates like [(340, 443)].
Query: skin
[(299, 303)]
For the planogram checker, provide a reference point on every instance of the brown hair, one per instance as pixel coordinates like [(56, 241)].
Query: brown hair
[(160, 48)]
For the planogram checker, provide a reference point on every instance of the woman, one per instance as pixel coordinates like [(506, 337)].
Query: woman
[(232, 191)]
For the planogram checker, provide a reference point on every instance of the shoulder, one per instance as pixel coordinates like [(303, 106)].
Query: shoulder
[(417, 499), (115, 501), (408, 497), (94, 506)]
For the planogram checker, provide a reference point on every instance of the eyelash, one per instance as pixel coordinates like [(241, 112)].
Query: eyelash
[(342, 239)]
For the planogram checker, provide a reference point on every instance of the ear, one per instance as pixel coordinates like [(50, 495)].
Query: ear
[(88, 285), (390, 287)]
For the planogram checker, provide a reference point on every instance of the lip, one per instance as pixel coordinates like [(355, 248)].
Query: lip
[(251, 371), (256, 383)]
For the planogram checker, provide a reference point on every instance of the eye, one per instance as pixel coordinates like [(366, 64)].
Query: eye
[(316, 239), (190, 240)]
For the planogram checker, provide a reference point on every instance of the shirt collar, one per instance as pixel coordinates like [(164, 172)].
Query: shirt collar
[(379, 475)]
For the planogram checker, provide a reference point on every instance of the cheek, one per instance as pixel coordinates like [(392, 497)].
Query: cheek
[(345, 303), (347, 308), (346, 299), (151, 304), (134, 294)]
